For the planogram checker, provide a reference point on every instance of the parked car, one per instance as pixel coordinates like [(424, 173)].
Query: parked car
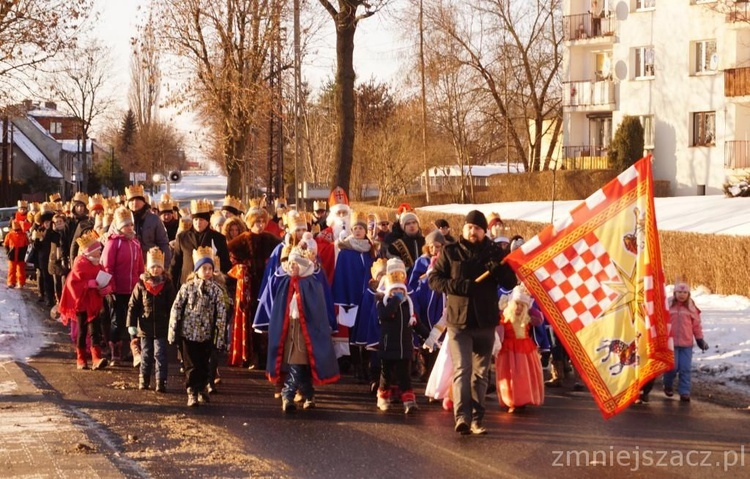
[(6, 214)]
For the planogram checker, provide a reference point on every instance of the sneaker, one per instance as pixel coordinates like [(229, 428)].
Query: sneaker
[(477, 429), (383, 404), (644, 398), (160, 388), (309, 404), (192, 400), (685, 397), (668, 391), (288, 406), (299, 397), (203, 397), (212, 389), (410, 407), (462, 428)]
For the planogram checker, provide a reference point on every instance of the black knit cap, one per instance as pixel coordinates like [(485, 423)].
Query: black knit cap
[(477, 218)]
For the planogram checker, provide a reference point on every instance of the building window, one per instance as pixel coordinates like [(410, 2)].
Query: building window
[(645, 4), (706, 57), (704, 128), (649, 129), (644, 62), (55, 127)]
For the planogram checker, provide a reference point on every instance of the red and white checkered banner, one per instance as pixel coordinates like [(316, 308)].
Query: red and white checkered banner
[(597, 276)]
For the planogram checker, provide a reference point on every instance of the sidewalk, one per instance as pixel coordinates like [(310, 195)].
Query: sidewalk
[(40, 436)]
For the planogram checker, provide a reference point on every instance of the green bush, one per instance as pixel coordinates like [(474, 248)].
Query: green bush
[(627, 146)]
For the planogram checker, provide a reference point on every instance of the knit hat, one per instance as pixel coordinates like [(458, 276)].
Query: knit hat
[(516, 243), (681, 285), (494, 219), (203, 255), (123, 217), (154, 257), (435, 237), (442, 223), (406, 217), (477, 218), (304, 258)]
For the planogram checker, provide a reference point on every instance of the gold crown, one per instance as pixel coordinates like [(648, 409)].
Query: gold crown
[(319, 205), (87, 240), (378, 267), (35, 207), (203, 252), (295, 220), (166, 197), (48, 207), (111, 203), (233, 202), (122, 216), (154, 257), (96, 200), (280, 203), (201, 206), (55, 197), (23, 204), (81, 197), (134, 191), (359, 217), (255, 203), (165, 205)]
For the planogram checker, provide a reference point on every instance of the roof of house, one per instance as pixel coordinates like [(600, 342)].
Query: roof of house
[(477, 170), (30, 150)]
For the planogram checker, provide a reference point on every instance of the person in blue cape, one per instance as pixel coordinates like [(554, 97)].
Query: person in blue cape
[(434, 243), (299, 333)]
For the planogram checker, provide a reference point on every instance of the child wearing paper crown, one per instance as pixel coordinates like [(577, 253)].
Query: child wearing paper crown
[(197, 323), (82, 299), (518, 367), (148, 319), (300, 349), (16, 244), (685, 318), (397, 322)]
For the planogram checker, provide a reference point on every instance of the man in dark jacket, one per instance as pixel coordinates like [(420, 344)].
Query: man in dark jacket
[(472, 314), (149, 229)]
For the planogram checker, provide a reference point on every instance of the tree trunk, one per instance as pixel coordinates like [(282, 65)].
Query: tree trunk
[(346, 26), (234, 156)]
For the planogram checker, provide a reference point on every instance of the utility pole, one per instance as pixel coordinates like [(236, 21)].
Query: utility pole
[(4, 176), (297, 117), (424, 105)]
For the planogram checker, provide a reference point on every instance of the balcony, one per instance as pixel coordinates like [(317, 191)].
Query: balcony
[(585, 157), (737, 154), (587, 26), (738, 11), (589, 94), (737, 82)]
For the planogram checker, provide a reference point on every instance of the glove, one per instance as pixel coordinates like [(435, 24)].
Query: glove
[(106, 290), (702, 344), (92, 284), (432, 340), (133, 331)]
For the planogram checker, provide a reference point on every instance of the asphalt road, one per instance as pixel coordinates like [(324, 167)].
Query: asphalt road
[(243, 433)]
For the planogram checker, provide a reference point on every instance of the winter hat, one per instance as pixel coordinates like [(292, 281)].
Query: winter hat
[(476, 218), (521, 294), (395, 273), (442, 223), (203, 255), (304, 258), (217, 220), (309, 242), (435, 237), (154, 257), (681, 285), (123, 217), (406, 217), (502, 239), (516, 243), (494, 219)]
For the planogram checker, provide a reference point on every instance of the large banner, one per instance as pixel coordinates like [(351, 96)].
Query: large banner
[(597, 276)]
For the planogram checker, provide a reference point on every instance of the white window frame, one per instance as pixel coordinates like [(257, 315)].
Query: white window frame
[(643, 68), (649, 130), (645, 5), (704, 128), (704, 54), (55, 127)]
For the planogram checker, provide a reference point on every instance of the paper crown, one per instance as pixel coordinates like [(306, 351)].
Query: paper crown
[(88, 242), (134, 191), (280, 203), (23, 204), (201, 256), (319, 205), (166, 205), (378, 268), (54, 197), (48, 207), (395, 271), (96, 202), (201, 206), (232, 204), (35, 207), (359, 218), (295, 220), (122, 217), (154, 257), (80, 197)]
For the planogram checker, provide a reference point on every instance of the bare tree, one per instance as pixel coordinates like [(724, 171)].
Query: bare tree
[(145, 75), (32, 32), (80, 82), (515, 47), (224, 48), (345, 19)]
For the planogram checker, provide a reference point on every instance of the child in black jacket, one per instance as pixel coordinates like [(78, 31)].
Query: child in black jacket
[(397, 323)]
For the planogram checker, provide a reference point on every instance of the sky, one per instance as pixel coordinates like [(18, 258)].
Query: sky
[(726, 319)]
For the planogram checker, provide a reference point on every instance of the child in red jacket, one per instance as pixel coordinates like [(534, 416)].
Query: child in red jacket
[(16, 243), (82, 299)]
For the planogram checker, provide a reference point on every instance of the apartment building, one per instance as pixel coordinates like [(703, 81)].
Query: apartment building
[(681, 66)]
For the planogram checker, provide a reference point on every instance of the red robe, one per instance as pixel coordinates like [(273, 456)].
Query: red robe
[(77, 296)]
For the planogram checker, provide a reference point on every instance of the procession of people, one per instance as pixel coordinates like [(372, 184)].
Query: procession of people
[(301, 297)]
